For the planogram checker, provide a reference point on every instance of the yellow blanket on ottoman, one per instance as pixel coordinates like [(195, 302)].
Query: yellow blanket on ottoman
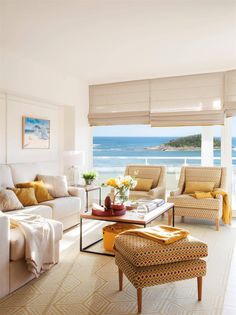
[(162, 234), (227, 211)]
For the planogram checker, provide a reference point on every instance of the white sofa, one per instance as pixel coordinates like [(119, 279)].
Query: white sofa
[(13, 268)]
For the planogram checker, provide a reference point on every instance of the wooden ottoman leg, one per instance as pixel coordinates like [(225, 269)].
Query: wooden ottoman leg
[(217, 221), (182, 219), (139, 299), (120, 280), (199, 288), (169, 218)]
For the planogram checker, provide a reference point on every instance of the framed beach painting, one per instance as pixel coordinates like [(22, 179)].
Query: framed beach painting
[(35, 133)]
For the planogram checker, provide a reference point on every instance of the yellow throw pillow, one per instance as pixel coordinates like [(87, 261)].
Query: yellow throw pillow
[(143, 184), (192, 187), (41, 191), (26, 196), (202, 195)]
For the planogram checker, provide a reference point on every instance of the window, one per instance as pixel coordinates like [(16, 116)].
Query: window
[(114, 147)]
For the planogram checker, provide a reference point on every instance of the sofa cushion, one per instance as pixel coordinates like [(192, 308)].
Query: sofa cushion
[(143, 252), (64, 207), (43, 210), (24, 172), (9, 200), (41, 191), (191, 202), (26, 196), (5, 177), (56, 185), (17, 240)]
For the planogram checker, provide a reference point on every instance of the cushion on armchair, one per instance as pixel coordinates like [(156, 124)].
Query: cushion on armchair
[(143, 184), (192, 187)]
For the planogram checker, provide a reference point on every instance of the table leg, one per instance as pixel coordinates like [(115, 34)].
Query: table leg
[(173, 216), (81, 235), (87, 201), (100, 196)]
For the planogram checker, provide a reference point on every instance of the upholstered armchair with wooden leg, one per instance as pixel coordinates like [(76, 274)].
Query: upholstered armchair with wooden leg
[(205, 208)]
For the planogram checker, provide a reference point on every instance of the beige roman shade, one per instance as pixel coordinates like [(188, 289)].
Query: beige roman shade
[(191, 100), (230, 93), (119, 103), (194, 100)]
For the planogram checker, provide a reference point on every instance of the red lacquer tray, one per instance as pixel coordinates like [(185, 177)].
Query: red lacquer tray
[(108, 213)]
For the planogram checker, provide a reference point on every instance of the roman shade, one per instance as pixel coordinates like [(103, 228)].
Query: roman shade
[(119, 103), (230, 93), (193, 100), (190, 100)]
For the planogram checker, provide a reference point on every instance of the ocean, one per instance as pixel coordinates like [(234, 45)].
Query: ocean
[(120, 151)]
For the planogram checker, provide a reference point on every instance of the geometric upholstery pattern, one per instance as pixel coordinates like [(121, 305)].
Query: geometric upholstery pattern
[(191, 202), (146, 265), (142, 252), (160, 274), (198, 213)]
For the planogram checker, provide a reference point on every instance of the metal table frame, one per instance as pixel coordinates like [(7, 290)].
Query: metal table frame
[(89, 188), (86, 248)]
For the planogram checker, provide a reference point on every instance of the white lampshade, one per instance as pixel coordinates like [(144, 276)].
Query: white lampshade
[(74, 162), (74, 158)]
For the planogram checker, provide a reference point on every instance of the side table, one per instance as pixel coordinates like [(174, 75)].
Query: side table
[(89, 188)]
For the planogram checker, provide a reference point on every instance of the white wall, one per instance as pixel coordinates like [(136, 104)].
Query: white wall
[(12, 109), (2, 128)]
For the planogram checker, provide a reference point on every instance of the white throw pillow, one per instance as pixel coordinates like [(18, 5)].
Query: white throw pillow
[(9, 201), (56, 185)]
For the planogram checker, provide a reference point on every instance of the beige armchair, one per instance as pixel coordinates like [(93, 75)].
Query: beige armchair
[(155, 172), (208, 208)]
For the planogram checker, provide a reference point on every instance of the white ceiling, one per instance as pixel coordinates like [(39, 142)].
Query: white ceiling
[(115, 40)]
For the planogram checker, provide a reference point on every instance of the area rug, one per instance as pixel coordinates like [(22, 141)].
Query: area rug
[(85, 283)]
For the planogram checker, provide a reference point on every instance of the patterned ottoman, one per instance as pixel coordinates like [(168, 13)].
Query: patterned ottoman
[(147, 263)]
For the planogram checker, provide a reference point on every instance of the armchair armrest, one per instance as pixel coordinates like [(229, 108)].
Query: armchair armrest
[(78, 192), (4, 254), (176, 192), (158, 192)]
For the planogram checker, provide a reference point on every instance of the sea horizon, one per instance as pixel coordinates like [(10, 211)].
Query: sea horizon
[(118, 151)]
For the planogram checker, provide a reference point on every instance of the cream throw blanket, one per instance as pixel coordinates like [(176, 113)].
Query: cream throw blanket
[(39, 241)]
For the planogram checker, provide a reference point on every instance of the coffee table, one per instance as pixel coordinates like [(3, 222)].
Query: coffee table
[(129, 217)]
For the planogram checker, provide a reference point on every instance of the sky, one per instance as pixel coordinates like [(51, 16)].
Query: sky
[(147, 131)]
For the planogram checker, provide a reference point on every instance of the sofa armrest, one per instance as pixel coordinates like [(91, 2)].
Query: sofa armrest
[(158, 192), (176, 192), (4, 254), (78, 192)]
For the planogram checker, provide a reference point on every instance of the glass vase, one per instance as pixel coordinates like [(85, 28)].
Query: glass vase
[(122, 196)]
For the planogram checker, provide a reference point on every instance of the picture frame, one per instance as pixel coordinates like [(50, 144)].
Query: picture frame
[(35, 133)]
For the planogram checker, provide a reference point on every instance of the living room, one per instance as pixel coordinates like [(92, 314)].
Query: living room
[(74, 73)]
